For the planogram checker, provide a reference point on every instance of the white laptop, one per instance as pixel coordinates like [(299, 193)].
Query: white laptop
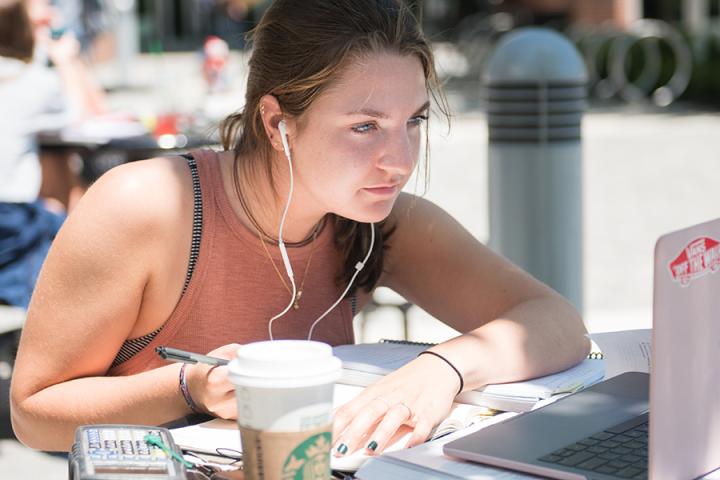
[(602, 432)]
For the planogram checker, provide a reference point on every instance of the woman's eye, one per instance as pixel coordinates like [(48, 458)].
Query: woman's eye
[(417, 120), (364, 128)]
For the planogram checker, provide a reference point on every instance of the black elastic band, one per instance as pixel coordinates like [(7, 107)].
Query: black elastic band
[(462, 382)]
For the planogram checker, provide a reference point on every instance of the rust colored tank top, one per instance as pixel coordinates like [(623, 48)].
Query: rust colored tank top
[(234, 289)]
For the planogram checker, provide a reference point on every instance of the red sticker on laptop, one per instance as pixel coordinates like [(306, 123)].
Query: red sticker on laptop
[(699, 257)]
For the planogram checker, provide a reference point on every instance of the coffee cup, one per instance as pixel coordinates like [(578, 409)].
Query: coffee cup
[(284, 391)]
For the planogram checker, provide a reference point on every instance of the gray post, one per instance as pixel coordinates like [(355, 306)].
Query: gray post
[(535, 87), (695, 14), (127, 39)]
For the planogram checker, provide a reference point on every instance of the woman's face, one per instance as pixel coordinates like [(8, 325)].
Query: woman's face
[(357, 144), (41, 13)]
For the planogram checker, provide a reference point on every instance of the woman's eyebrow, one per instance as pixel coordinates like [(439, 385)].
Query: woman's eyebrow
[(377, 114), (422, 109)]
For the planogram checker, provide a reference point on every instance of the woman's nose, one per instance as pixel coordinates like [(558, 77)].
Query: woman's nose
[(400, 155)]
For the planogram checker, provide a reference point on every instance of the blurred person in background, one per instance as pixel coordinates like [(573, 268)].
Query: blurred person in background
[(230, 19), (89, 21), (58, 49), (57, 45), (33, 98)]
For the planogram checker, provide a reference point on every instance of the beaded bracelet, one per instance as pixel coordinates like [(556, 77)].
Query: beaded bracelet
[(462, 382), (186, 391)]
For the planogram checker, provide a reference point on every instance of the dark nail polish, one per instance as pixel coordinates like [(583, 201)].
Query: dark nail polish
[(372, 446), (342, 449)]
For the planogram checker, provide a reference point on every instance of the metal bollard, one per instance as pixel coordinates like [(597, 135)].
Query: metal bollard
[(534, 83), (127, 38)]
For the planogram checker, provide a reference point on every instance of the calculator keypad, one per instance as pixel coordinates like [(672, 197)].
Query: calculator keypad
[(125, 448)]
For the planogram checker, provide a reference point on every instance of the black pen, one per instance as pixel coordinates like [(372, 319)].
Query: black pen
[(175, 355)]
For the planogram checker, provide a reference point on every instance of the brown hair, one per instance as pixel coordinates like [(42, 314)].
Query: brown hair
[(298, 49), (16, 35)]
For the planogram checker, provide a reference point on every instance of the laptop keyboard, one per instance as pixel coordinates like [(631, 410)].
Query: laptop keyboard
[(620, 451)]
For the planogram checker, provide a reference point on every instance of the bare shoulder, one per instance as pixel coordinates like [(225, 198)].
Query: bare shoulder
[(423, 234), (111, 250), (128, 220), (412, 216), (139, 194)]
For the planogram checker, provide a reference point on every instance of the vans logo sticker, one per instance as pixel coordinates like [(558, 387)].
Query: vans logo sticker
[(699, 257)]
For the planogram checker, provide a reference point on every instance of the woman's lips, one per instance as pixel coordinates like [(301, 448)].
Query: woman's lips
[(382, 190)]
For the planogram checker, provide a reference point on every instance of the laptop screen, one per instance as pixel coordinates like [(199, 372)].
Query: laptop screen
[(685, 383)]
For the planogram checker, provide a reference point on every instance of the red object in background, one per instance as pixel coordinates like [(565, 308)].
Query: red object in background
[(699, 257), (216, 52), (167, 124)]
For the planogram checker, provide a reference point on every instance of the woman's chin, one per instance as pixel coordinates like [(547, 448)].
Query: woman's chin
[(368, 215)]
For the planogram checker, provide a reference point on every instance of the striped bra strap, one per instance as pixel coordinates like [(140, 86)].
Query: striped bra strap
[(132, 346)]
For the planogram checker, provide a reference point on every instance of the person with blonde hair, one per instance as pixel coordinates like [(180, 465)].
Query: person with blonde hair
[(282, 234)]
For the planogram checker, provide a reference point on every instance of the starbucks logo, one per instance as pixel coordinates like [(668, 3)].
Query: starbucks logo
[(310, 460)]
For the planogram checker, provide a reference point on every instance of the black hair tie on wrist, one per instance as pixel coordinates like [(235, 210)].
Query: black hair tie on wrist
[(462, 382)]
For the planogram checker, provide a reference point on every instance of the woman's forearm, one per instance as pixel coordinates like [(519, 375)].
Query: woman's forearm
[(148, 398), (82, 89), (537, 337)]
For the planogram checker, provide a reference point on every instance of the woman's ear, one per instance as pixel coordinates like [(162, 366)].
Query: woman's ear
[(271, 115)]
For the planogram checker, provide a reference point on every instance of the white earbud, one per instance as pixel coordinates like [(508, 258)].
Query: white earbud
[(284, 138)]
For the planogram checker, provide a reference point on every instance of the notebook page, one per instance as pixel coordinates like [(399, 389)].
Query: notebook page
[(624, 351), (379, 358), (582, 375)]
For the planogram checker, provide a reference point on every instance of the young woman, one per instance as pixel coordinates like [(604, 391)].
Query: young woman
[(186, 252)]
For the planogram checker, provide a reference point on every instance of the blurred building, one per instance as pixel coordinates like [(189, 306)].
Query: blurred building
[(695, 15), (176, 25)]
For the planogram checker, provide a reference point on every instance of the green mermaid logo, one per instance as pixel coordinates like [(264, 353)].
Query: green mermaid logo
[(310, 460)]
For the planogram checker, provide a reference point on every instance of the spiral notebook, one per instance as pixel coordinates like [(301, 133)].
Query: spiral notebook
[(366, 363), (592, 355)]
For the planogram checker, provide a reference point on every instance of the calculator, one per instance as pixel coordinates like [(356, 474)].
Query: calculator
[(120, 452)]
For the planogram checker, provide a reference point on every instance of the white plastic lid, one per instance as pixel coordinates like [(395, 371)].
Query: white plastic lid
[(284, 364)]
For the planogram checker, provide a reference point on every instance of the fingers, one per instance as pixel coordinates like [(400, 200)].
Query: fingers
[(212, 390), (394, 408), (227, 408), (363, 418), (210, 386), (421, 433), (226, 351), (217, 380), (380, 423), (395, 417), (345, 414)]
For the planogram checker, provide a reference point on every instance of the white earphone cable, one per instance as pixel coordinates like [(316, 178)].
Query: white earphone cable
[(283, 250), (281, 243), (358, 267)]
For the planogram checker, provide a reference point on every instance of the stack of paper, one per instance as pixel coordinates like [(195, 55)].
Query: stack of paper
[(366, 363)]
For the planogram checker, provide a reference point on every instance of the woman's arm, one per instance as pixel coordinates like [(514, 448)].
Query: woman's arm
[(514, 327), (100, 285), (78, 81)]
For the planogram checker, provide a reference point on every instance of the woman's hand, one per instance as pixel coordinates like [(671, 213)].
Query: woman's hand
[(210, 387), (63, 50), (419, 395)]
